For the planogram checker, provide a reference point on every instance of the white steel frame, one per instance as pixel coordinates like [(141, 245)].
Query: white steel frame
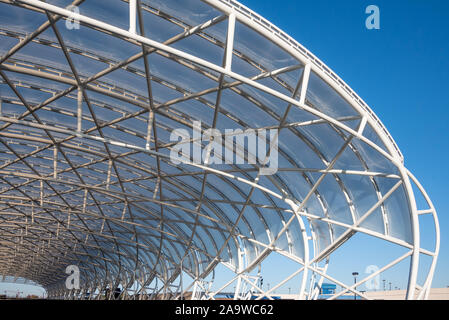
[(139, 280)]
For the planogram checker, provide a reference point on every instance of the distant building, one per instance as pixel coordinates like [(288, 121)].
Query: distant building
[(328, 288)]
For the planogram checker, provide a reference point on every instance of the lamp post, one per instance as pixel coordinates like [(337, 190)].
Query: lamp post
[(355, 274)]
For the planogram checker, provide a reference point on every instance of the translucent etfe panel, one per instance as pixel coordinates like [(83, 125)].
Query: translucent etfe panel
[(217, 32), (121, 79), (258, 224), (32, 94), (54, 118), (36, 83), (282, 86), (118, 135), (375, 222), (397, 207), (133, 188), (298, 149), (369, 133), (178, 188), (373, 159), (12, 109), (230, 253), (362, 192), (273, 183), (169, 167), (350, 159), (181, 75), (203, 261), (150, 210), (191, 12), (15, 180), (20, 147), (237, 192), (245, 110), (262, 199), (219, 239), (6, 41), (87, 61), (322, 233), (290, 79), (332, 194), (156, 26), (219, 218), (60, 3), (206, 241), (20, 19), (296, 239), (282, 243), (137, 126), (167, 124), (98, 44), (244, 67), (272, 217), (327, 100), (207, 221), (201, 47), (177, 253), (259, 51), (297, 185), (273, 106), (114, 12), (250, 249), (324, 138), (194, 110)]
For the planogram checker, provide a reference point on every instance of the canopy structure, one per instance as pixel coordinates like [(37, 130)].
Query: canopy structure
[(91, 94)]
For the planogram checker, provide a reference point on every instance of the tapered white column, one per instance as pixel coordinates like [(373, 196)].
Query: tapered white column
[(132, 16)]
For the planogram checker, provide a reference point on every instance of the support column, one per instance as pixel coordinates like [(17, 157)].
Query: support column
[(132, 16)]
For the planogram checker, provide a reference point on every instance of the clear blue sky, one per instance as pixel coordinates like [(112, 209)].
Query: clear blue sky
[(401, 71)]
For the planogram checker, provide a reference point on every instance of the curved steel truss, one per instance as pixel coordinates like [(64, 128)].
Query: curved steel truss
[(89, 98)]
